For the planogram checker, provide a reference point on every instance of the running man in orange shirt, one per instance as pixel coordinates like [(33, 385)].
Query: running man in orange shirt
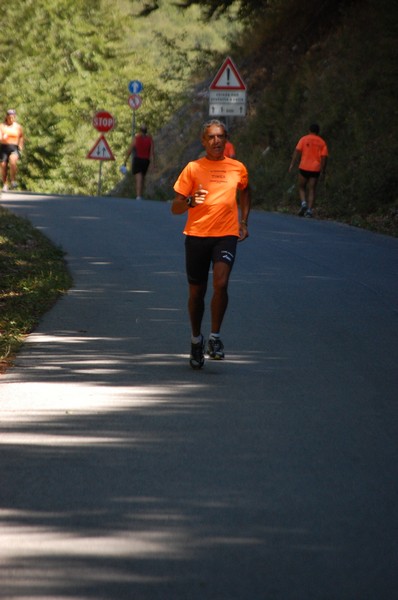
[(313, 153), (12, 142), (207, 190)]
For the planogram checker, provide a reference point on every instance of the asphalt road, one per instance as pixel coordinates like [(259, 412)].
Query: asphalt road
[(125, 475)]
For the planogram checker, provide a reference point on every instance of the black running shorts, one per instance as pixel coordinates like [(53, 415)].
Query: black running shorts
[(140, 165), (201, 252), (6, 150), (309, 174)]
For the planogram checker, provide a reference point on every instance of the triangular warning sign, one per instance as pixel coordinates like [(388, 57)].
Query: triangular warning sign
[(228, 78), (101, 150)]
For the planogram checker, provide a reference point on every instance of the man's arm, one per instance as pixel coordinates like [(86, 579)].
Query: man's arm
[(179, 205), (21, 139), (245, 204), (296, 154), (129, 151)]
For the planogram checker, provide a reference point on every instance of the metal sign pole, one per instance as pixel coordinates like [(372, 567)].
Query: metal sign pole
[(99, 178), (134, 101), (133, 135), (133, 125)]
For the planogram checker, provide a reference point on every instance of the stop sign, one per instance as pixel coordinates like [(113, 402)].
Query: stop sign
[(103, 121)]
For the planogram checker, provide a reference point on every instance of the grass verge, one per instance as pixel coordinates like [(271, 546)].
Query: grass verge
[(33, 274)]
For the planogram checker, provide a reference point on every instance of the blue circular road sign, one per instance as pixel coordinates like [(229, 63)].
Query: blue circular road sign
[(135, 86)]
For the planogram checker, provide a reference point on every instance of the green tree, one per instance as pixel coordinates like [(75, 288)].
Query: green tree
[(74, 58)]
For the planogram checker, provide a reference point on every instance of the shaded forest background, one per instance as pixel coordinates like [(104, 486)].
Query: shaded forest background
[(330, 61)]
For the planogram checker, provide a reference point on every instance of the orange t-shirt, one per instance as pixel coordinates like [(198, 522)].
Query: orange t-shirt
[(312, 148), (229, 149), (218, 215)]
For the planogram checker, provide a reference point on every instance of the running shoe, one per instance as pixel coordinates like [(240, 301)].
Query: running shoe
[(302, 210), (5, 188), (197, 358), (215, 349), (14, 185), (308, 213)]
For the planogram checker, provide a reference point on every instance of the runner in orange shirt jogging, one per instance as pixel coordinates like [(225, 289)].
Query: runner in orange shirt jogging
[(12, 142), (206, 190), (313, 153)]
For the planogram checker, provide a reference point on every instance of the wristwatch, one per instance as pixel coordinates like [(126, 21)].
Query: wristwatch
[(189, 201)]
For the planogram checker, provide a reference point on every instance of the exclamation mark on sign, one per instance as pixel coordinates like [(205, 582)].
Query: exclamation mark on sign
[(228, 75)]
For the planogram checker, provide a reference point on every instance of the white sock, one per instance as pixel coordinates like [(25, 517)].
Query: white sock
[(196, 340), (215, 336)]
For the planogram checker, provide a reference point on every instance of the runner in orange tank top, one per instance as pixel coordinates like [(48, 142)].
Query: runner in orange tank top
[(206, 191), (12, 142)]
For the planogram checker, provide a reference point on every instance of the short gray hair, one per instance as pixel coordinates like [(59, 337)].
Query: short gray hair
[(208, 124)]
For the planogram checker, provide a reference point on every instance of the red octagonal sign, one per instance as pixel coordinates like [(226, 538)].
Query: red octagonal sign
[(103, 121)]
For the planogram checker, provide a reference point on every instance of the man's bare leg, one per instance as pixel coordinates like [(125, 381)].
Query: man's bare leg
[(219, 301), (196, 307), (139, 184)]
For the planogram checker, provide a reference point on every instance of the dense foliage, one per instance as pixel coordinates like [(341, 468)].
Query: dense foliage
[(337, 68), (63, 60)]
